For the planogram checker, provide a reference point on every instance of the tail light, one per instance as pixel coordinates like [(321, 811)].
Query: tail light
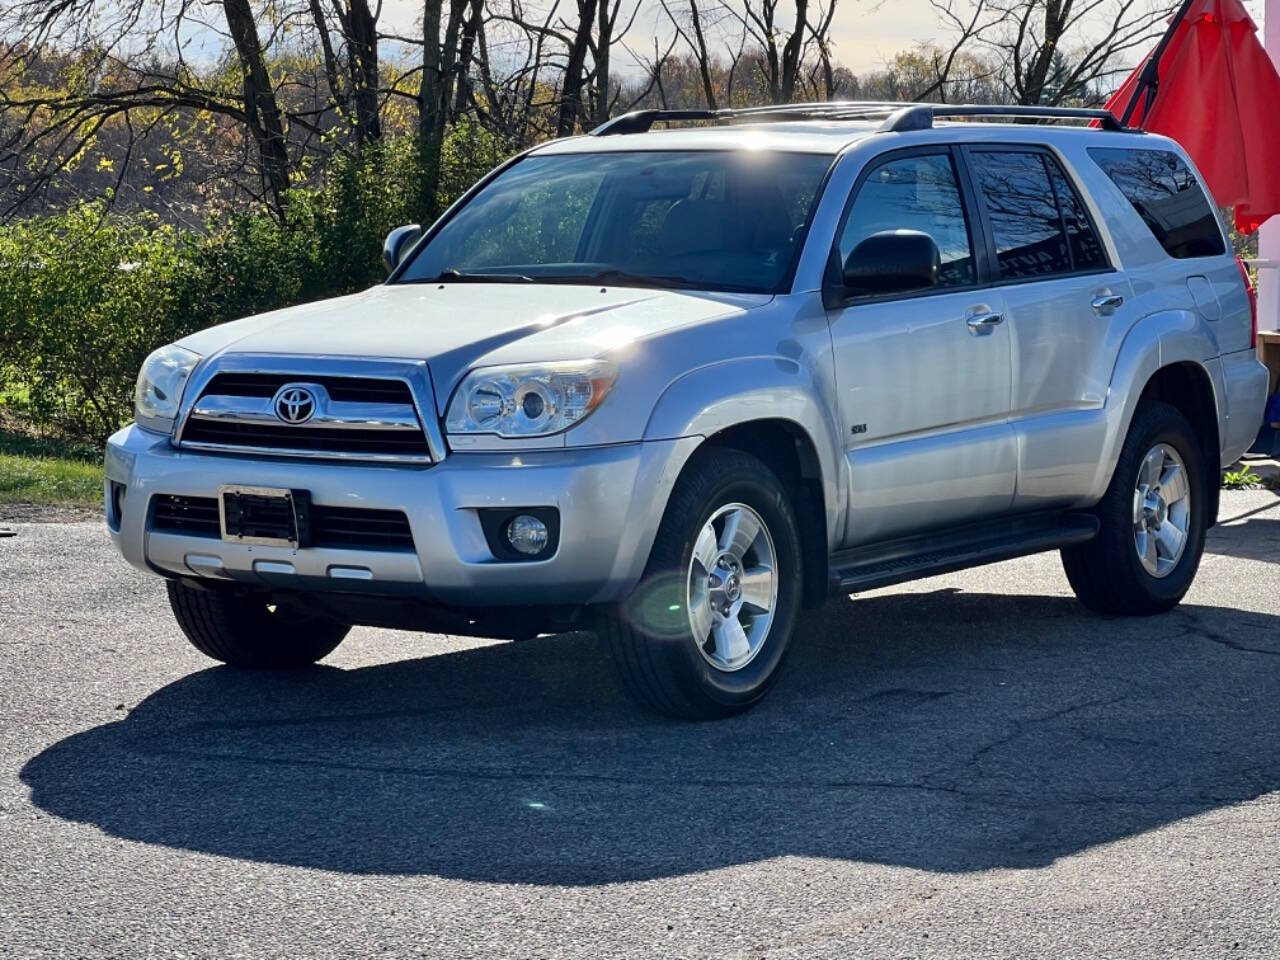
[(1253, 302)]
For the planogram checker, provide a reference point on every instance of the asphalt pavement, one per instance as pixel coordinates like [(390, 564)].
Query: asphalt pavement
[(967, 766)]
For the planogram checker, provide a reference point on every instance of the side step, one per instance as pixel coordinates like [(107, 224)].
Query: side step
[(912, 558)]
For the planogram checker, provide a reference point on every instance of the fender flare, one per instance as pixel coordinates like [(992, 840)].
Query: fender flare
[(1156, 341), (775, 388)]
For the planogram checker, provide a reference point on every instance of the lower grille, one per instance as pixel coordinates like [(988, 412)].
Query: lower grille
[(350, 528), (360, 528), (194, 516)]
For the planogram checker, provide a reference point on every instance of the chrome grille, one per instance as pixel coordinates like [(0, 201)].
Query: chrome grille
[(340, 389), (356, 416)]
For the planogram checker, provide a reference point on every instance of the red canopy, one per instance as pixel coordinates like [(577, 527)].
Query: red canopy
[(1219, 96)]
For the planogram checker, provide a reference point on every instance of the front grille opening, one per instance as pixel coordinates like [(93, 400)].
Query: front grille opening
[(340, 389), (360, 528), (345, 528), (318, 439), (193, 516)]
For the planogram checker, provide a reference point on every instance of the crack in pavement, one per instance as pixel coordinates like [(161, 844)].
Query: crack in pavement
[(1194, 626)]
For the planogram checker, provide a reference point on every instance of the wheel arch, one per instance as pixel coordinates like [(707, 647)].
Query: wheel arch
[(1188, 386), (787, 395), (789, 451), (1167, 357)]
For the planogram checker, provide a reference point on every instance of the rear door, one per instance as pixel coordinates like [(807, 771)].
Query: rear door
[(1068, 311), (923, 377)]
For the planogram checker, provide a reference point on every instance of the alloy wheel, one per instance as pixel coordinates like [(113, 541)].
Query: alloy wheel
[(1161, 510), (732, 587)]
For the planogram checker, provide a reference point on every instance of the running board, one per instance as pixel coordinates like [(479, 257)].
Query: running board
[(911, 558)]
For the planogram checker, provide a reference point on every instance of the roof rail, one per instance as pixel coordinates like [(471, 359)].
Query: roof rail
[(640, 121), (897, 117), (920, 116)]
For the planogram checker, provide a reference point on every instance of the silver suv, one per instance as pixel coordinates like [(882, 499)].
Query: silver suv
[(675, 386)]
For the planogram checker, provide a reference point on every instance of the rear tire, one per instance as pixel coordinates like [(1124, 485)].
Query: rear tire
[(243, 630), (1146, 513), (711, 566)]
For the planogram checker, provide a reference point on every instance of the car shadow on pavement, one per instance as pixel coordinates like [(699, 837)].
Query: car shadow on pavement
[(1248, 534), (946, 731)]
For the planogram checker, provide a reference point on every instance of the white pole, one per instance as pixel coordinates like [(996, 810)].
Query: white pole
[(1269, 234)]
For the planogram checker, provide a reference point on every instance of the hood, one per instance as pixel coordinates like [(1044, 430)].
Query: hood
[(457, 326)]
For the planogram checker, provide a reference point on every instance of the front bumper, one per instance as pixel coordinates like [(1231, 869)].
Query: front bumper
[(610, 500)]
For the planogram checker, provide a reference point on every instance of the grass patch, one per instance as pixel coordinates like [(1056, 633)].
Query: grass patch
[(1242, 479), (49, 471)]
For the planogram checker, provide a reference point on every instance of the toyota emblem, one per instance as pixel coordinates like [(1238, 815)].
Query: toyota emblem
[(294, 404)]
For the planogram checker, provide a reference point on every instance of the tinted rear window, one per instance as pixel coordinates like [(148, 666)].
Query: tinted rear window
[(1167, 196)]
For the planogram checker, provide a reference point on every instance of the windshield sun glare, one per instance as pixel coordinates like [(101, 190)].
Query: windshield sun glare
[(706, 220)]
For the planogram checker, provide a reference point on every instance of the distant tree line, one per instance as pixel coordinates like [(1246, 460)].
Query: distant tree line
[(182, 106)]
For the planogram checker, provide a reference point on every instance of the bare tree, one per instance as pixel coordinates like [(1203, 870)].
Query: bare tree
[(123, 69), (360, 33), (261, 110), (1056, 51), (608, 35), (968, 24), (571, 101), (695, 38), (782, 49), (472, 25)]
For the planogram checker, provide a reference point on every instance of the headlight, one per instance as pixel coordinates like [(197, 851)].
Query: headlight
[(529, 399), (159, 389)]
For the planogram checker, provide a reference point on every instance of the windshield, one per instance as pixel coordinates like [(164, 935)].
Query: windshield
[(707, 220)]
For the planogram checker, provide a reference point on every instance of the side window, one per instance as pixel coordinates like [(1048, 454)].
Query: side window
[(918, 192), (1029, 233), (1085, 247), (1166, 194)]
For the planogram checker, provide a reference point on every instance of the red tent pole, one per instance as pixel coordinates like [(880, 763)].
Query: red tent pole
[(1149, 79)]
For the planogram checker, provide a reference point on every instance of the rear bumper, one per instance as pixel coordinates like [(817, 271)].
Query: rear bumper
[(1245, 380), (610, 501)]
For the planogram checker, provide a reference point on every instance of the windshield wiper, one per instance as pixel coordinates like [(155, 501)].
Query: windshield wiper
[(614, 275), (459, 276)]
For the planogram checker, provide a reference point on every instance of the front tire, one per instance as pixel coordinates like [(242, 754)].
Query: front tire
[(1153, 519), (706, 631), (244, 630)]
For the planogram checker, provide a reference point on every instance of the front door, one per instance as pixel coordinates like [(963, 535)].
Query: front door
[(923, 378)]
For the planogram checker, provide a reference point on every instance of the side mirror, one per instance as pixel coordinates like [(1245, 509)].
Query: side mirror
[(398, 243), (892, 261)]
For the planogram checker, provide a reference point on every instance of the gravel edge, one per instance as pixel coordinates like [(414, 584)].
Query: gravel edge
[(46, 513)]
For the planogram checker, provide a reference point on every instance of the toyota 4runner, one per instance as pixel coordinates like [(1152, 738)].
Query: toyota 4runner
[(675, 386)]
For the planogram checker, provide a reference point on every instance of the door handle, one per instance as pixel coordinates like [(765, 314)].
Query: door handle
[(1107, 301), (983, 321)]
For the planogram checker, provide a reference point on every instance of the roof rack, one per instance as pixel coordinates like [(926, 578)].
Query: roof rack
[(897, 117)]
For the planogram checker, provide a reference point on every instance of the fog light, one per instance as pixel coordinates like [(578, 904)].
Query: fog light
[(527, 535)]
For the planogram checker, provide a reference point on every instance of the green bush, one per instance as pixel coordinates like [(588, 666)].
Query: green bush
[(83, 297), (85, 294)]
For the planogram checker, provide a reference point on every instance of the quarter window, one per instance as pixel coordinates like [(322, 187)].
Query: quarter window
[(917, 192), (1166, 194)]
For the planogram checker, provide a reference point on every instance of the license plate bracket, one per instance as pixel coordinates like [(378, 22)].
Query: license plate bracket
[(265, 516)]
